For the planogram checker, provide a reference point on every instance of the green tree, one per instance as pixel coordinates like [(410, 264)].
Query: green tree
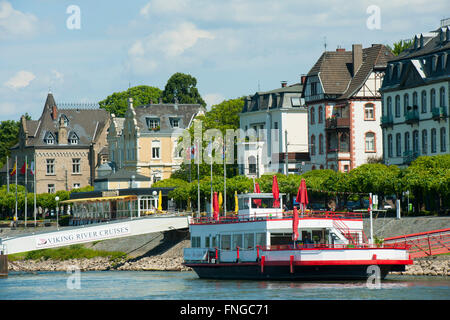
[(400, 46), (9, 136), (183, 87), (117, 102)]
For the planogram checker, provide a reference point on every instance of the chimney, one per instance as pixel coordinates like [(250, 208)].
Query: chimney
[(339, 49), (62, 132), (54, 113), (357, 57), (303, 78), (283, 84)]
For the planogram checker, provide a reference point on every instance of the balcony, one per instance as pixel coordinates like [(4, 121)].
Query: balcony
[(335, 123), (409, 156), (387, 121), (439, 113), (412, 117)]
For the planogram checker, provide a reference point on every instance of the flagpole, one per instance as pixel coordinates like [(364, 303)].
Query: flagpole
[(15, 210), (26, 190), (211, 187), (7, 173), (224, 183), (34, 180), (198, 180)]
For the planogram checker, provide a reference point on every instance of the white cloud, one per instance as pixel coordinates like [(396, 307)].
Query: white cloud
[(166, 47), (20, 80), (213, 99), (15, 23)]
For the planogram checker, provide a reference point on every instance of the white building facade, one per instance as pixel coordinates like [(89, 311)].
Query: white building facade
[(276, 133), (415, 95)]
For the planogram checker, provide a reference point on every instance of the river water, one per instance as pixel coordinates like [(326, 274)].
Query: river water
[(153, 285)]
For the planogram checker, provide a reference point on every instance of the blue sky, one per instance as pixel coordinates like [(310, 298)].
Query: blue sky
[(231, 47)]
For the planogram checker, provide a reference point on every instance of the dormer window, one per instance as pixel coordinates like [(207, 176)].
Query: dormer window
[(153, 123), (49, 138), (73, 138), (295, 102), (175, 122)]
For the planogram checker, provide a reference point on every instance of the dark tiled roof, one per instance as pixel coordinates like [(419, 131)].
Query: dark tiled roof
[(85, 123), (263, 100), (335, 69), (421, 65), (165, 112)]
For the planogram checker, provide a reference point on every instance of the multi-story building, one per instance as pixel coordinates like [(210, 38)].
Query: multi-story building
[(275, 123), (143, 145), (66, 144), (415, 95), (344, 105)]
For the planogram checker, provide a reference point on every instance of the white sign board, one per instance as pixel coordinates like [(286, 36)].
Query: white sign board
[(80, 236)]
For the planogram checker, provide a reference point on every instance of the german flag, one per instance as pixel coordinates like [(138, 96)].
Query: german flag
[(13, 172)]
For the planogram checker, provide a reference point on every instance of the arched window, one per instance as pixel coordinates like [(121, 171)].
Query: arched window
[(415, 140), (313, 168), (320, 114), (397, 106), (407, 142), (424, 101), (321, 167), (398, 145), (442, 97), (370, 141), (369, 111), (424, 141), (405, 103), (313, 145), (443, 140), (390, 145), (311, 116), (432, 99), (433, 140), (389, 107), (320, 144)]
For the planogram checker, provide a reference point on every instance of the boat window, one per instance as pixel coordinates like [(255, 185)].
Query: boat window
[(225, 242), (262, 202), (207, 242), (243, 203), (195, 242), (214, 241), (280, 238), (249, 240), (237, 241), (260, 239)]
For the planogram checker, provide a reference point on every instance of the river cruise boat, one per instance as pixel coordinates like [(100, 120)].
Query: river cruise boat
[(257, 243)]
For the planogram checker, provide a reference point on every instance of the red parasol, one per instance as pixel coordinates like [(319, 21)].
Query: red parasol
[(295, 224), (257, 202), (216, 206), (302, 195), (276, 193)]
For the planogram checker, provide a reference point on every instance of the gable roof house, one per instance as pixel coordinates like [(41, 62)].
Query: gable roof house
[(65, 143), (341, 94)]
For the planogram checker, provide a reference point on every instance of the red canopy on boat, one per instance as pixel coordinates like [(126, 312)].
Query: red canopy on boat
[(216, 206), (257, 202), (295, 224)]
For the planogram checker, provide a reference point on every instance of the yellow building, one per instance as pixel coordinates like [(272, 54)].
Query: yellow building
[(143, 145)]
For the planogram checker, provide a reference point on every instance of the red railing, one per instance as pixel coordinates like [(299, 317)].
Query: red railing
[(276, 216), (283, 247), (424, 244)]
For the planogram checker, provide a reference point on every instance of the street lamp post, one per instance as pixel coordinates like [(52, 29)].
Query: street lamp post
[(57, 211)]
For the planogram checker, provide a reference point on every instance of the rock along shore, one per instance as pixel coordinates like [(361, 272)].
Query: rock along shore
[(429, 266)]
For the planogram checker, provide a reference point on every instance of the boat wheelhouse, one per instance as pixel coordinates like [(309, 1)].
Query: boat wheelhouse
[(257, 243)]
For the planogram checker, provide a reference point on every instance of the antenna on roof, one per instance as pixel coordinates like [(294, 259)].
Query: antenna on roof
[(325, 42)]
